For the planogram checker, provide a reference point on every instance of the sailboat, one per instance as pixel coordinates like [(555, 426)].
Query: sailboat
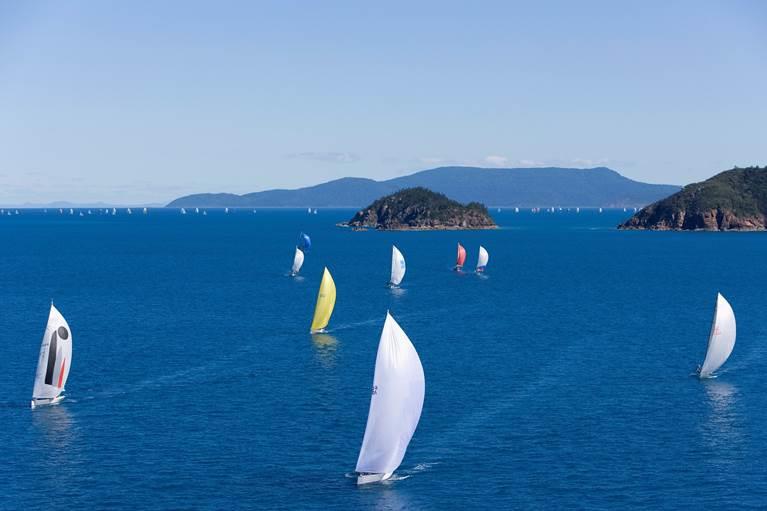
[(114, 211), (54, 361), (397, 267), (226, 211), (146, 211), (516, 210), (600, 210), (196, 210), (461, 258), (395, 405), (326, 300), (129, 211), (298, 261), (721, 340), (183, 211), (482, 259)]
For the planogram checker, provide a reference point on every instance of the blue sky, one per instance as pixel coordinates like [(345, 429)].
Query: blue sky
[(145, 101)]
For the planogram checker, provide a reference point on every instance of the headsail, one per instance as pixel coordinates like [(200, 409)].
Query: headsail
[(54, 361), (721, 340), (396, 403), (298, 260), (461, 257), (397, 266), (326, 300), (482, 259)]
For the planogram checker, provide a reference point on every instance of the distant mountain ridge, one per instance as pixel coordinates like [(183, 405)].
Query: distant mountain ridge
[(496, 187)]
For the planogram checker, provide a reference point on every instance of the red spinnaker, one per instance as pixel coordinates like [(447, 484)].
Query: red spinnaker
[(461, 256)]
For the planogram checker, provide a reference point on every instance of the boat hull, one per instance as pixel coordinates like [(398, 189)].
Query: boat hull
[(36, 403), (372, 478)]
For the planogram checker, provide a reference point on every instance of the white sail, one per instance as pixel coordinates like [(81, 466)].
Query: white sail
[(396, 403), (183, 211), (721, 340), (298, 260), (54, 361), (397, 266), (482, 259)]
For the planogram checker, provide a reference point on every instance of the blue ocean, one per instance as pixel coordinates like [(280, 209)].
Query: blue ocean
[(559, 379)]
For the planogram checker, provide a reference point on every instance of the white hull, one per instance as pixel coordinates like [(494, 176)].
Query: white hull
[(35, 403), (372, 478), (320, 331)]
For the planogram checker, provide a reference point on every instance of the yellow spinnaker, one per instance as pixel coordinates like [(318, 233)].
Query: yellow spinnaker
[(326, 300)]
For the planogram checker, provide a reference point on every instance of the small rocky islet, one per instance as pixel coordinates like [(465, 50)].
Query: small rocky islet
[(734, 200), (421, 209)]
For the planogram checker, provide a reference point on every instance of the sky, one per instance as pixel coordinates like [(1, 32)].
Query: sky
[(143, 101)]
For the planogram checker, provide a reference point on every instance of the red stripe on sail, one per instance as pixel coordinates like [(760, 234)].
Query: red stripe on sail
[(461, 255), (61, 372)]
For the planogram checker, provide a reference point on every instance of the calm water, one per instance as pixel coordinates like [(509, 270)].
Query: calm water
[(559, 380)]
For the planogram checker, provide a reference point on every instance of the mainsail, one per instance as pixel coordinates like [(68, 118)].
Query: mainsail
[(396, 403), (461, 257), (397, 266), (326, 300), (482, 259), (721, 340), (298, 260), (54, 361)]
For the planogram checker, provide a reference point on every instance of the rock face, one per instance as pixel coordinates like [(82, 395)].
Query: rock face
[(735, 200), (421, 209)]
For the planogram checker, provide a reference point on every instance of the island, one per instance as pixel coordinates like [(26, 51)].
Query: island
[(734, 200), (420, 209)]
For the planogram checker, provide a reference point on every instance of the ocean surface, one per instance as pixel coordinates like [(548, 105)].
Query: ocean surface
[(560, 379)]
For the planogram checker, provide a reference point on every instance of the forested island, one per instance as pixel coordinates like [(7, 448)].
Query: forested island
[(734, 200), (421, 209)]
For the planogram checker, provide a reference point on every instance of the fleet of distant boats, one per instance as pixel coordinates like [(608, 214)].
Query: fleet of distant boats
[(398, 381), (197, 210)]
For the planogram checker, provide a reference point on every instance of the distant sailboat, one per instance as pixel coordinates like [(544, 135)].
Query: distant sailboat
[(54, 361), (395, 405), (146, 211), (326, 300), (205, 212), (577, 210), (129, 211), (71, 211), (498, 210), (90, 212), (516, 210), (298, 261), (315, 211), (226, 211), (309, 210), (397, 267), (461, 258), (114, 211), (600, 210), (721, 340), (482, 259), (196, 210), (183, 211)]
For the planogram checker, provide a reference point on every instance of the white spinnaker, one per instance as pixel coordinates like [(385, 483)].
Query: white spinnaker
[(396, 403), (721, 340), (298, 260), (483, 258), (397, 266), (55, 358)]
